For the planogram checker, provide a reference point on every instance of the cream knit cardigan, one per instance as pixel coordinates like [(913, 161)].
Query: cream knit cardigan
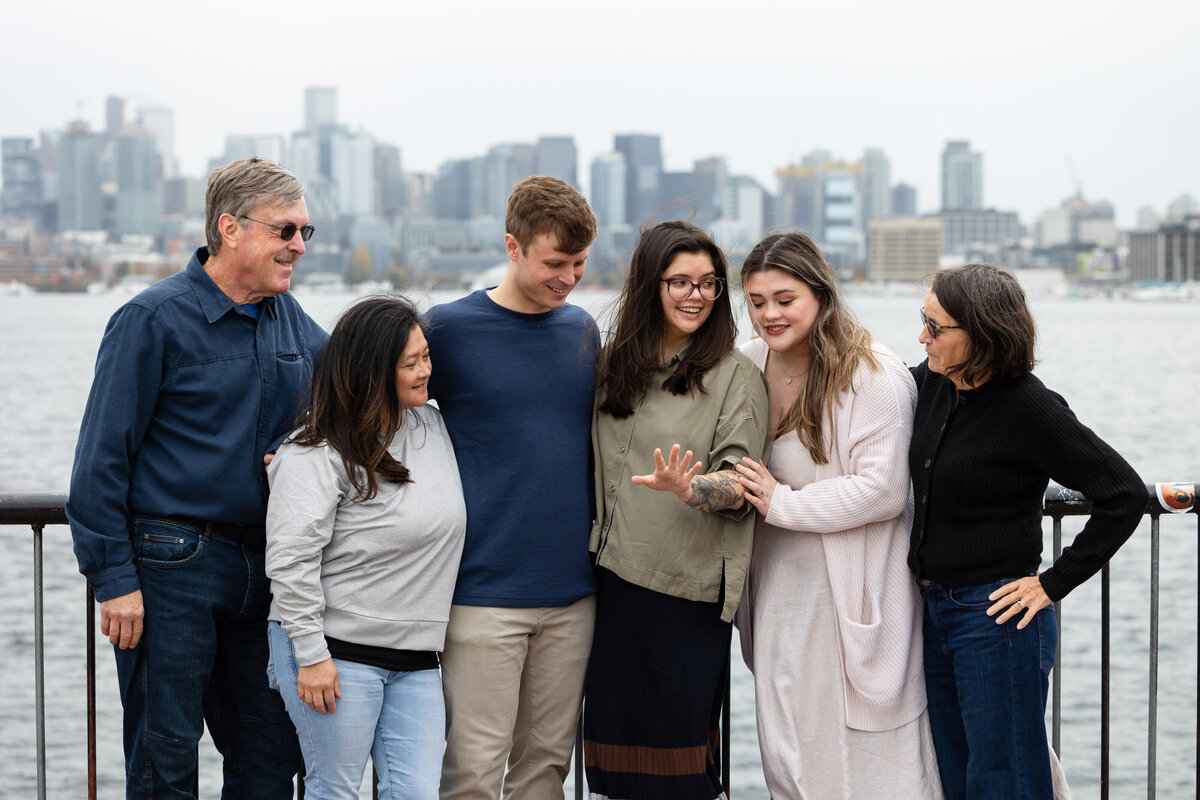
[(862, 505)]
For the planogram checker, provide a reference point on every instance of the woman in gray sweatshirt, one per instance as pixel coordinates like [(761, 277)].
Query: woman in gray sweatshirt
[(365, 527)]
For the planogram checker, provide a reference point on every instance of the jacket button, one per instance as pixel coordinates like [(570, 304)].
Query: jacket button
[(928, 463), (924, 498)]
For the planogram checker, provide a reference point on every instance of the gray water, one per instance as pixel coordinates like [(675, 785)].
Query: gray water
[(1131, 371)]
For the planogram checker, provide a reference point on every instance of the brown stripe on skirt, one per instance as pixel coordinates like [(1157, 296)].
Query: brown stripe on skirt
[(653, 760)]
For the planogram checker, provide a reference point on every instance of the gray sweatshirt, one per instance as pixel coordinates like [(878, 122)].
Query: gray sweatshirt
[(378, 573)]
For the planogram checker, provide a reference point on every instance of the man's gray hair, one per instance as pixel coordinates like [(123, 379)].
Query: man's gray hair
[(241, 186)]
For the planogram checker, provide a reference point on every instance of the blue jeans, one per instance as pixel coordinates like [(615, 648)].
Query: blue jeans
[(987, 688), (202, 658), (397, 718)]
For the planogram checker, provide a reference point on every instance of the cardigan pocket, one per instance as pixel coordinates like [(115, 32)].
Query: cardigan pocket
[(877, 673)]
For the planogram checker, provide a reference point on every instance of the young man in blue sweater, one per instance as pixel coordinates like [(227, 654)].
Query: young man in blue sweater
[(514, 383)]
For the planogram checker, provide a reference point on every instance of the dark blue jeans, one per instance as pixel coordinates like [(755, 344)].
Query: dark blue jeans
[(987, 688), (203, 658)]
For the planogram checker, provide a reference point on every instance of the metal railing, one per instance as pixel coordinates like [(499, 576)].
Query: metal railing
[(40, 510), (1059, 503)]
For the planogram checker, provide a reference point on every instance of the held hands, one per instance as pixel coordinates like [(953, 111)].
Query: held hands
[(318, 686), (671, 476), (121, 619), (758, 482), (1025, 595)]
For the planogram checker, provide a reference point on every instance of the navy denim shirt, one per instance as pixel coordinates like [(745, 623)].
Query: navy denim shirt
[(190, 392)]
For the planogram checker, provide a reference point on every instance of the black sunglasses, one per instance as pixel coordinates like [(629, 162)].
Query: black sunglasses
[(933, 328), (286, 232)]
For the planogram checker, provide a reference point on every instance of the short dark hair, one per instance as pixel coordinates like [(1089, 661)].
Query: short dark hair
[(542, 204), (990, 306), (354, 407), (627, 363)]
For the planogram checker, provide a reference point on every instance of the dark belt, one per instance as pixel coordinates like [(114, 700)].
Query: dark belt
[(253, 537)]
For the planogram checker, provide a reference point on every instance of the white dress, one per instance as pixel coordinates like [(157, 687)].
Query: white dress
[(808, 752)]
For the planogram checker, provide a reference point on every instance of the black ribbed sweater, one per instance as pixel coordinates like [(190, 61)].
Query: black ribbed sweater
[(980, 471)]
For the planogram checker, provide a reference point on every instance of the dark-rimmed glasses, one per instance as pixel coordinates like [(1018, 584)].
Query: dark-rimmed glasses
[(286, 232), (681, 288), (933, 328)]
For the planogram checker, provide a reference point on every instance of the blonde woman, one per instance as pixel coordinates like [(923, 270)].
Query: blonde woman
[(830, 619)]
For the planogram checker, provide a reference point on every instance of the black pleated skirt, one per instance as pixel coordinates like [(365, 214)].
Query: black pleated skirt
[(653, 701)]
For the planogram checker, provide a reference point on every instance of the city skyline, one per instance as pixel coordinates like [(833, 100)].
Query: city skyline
[(761, 87)]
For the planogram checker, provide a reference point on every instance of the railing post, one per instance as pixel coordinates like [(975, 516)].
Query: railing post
[(725, 733), (39, 659), (579, 756), (1105, 667), (90, 627), (1152, 712), (1056, 703)]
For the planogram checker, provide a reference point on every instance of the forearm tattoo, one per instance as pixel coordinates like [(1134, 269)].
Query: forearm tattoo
[(716, 491)]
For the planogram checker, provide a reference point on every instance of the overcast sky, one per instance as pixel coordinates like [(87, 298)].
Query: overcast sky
[(1111, 87)]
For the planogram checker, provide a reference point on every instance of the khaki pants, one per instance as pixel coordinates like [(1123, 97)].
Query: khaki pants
[(513, 680)]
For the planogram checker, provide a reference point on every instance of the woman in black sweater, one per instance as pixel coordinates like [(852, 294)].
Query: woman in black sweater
[(987, 438)]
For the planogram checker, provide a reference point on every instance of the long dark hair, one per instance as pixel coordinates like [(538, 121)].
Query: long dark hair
[(354, 406), (629, 359), (990, 306), (837, 342)]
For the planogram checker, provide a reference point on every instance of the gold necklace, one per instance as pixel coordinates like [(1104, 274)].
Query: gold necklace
[(787, 379)]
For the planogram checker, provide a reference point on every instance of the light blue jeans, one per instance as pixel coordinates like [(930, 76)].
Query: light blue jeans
[(397, 718)]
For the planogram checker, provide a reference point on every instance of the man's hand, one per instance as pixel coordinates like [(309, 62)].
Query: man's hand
[(268, 458), (121, 619)]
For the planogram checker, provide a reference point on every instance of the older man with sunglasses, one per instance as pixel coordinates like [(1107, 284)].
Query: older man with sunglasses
[(197, 378)]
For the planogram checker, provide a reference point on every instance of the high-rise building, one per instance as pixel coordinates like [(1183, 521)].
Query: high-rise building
[(903, 248), (452, 190), (160, 120), (963, 231), (114, 117), (557, 156), (842, 235), (711, 187), (80, 204), (21, 173), (876, 185), (962, 177), (389, 180), (269, 146), (799, 198), (643, 175), (743, 213), (495, 176), (304, 157), (320, 108), (353, 173), (904, 200), (1182, 207), (138, 187), (1171, 253), (608, 189)]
